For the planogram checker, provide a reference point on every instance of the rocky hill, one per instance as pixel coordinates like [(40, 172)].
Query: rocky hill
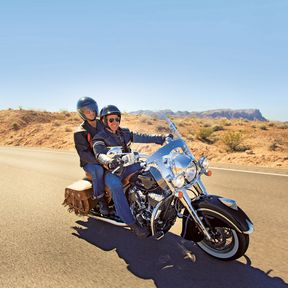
[(236, 141), (249, 114)]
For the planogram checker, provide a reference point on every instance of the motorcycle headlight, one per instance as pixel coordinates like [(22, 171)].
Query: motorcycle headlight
[(179, 163), (183, 168), (178, 181), (190, 172), (204, 163)]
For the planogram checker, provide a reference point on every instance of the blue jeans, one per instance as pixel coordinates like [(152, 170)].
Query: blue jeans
[(113, 182), (97, 173)]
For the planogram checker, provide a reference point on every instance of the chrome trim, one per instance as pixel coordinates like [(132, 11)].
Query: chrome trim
[(111, 221), (229, 203), (114, 150), (186, 201), (160, 236), (201, 186), (201, 162), (251, 227), (153, 217)]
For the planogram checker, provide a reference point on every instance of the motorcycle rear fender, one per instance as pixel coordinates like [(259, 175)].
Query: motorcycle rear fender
[(234, 217)]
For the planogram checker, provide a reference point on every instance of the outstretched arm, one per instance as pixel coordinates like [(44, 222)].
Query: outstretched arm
[(146, 138)]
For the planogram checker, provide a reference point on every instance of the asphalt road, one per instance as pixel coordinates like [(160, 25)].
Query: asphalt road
[(42, 245)]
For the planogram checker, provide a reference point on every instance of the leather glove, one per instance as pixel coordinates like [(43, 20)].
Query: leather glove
[(114, 163)]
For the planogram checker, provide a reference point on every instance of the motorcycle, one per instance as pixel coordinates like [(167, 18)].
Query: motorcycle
[(169, 186)]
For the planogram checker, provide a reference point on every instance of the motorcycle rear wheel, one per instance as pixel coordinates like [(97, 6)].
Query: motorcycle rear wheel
[(227, 244)]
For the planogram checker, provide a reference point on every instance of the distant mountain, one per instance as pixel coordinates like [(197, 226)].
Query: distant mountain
[(249, 114)]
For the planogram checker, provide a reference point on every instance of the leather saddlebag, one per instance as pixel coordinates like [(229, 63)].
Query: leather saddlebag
[(78, 197)]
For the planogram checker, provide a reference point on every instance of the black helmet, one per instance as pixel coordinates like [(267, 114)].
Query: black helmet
[(86, 103), (109, 110)]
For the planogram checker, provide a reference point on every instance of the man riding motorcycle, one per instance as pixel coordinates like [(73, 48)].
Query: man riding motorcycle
[(113, 135)]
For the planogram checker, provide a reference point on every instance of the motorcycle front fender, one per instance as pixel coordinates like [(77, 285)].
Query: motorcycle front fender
[(227, 209)]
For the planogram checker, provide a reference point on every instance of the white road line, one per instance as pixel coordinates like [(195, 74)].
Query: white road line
[(247, 171)]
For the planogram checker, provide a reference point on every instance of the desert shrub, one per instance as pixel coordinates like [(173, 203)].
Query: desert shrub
[(162, 129), (283, 126), (217, 127), (271, 124), (243, 148), (227, 123), (233, 140), (147, 121), (205, 134), (276, 145), (15, 126), (273, 147), (263, 127)]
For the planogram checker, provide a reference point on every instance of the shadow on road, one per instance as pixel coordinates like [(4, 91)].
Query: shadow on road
[(172, 261)]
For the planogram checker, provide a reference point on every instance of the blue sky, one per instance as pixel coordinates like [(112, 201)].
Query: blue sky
[(153, 54)]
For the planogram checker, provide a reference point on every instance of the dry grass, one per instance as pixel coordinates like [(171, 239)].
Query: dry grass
[(262, 144)]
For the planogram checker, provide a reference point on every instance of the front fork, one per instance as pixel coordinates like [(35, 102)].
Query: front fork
[(186, 201)]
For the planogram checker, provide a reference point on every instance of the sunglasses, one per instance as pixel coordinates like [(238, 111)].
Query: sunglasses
[(111, 120)]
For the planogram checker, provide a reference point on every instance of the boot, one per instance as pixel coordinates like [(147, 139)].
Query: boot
[(103, 207), (141, 232)]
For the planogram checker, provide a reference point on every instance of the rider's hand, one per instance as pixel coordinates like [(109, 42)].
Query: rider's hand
[(167, 138), (114, 163)]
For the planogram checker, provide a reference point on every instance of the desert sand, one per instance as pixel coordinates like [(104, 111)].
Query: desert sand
[(261, 144)]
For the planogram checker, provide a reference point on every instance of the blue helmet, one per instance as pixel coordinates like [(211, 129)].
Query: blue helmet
[(109, 110), (87, 103)]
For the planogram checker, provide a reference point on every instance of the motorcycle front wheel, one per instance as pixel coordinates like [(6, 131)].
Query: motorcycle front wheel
[(226, 243)]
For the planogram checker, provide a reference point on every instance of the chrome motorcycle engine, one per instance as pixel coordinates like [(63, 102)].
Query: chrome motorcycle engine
[(148, 199)]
